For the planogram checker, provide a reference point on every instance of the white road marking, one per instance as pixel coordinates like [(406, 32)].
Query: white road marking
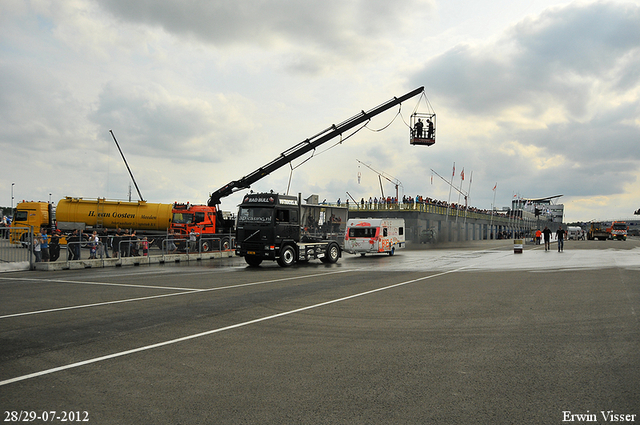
[(186, 292), (130, 285), (214, 331)]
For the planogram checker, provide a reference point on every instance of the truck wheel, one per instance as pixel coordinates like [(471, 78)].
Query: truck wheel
[(252, 260), (287, 256), (205, 246), (331, 254), (393, 251), (225, 244)]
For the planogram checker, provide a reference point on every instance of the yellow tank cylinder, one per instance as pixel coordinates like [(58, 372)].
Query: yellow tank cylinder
[(139, 215)]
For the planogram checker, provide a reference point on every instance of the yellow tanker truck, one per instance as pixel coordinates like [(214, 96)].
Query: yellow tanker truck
[(85, 214), (143, 217), (211, 228), (77, 213)]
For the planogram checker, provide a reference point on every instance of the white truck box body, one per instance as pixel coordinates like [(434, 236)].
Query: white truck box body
[(374, 235), (574, 232)]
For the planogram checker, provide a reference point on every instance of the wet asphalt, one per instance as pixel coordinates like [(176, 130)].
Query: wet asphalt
[(471, 334)]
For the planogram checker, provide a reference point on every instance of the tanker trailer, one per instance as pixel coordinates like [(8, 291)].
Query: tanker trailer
[(77, 213)]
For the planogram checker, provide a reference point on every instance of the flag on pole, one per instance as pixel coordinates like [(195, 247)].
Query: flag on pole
[(454, 170), (462, 174), (494, 187)]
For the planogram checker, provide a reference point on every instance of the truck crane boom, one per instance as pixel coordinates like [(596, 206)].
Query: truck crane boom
[(306, 146)]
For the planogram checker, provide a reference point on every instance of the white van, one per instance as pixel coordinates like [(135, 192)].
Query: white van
[(374, 235), (574, 232)]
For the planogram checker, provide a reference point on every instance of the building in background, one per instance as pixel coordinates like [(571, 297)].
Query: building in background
[(544, 208)]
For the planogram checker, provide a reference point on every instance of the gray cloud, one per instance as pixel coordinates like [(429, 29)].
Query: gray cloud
[(559, 56), (330, 25), (549, 85), (39, 112), (155, 123), (200, 93)]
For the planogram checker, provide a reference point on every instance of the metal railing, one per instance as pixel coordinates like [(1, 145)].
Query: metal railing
[(96, 250), (201, 245), (16, 253), (427, 207), (12, 255)]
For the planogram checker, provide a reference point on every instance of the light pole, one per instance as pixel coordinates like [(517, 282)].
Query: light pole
[(12, 184)]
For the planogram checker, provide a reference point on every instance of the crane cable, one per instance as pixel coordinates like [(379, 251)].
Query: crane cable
[(429, 107), (313, 153), (365, 125), (391, 122)]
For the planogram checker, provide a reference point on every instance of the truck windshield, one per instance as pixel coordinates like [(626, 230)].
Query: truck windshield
[(362, 232), (255, 215), (182, 218), (21, 216), (620, 226)]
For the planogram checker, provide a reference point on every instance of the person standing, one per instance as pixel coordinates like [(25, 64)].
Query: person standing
[(547, 238), (93, 245), (171, 246), (125, 240), (429, 129), (44, 246), (115, 243), (560, 234), (538, 236), (37, 247), (73, 246), (418, 129), (133, 244), (103, 248), (192, 240), (54, 246), (145, 246)]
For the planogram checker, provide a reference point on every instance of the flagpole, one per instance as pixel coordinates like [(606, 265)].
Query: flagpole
[(450, 186), (466, 202), (459, 193), (493, 207)]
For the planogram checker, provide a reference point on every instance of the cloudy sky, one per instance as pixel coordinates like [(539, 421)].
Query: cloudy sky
[(541, 97)]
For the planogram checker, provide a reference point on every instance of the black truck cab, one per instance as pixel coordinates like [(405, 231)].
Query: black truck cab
[(278, 227)]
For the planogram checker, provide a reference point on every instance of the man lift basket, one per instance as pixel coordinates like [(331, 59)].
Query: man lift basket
[(422, 125), (423, 129)]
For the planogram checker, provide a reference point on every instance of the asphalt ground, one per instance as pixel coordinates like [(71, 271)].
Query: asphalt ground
[(449, 336)]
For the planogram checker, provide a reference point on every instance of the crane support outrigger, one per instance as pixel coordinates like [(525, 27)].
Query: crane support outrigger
[(276, 227)]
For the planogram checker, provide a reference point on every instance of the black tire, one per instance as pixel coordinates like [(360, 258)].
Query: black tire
[(287, 256), (252, 260), (393, 251), (225, 244), (331, 254), (205, 246)]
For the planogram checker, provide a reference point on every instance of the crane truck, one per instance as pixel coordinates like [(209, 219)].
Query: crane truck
[(272, 226)]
